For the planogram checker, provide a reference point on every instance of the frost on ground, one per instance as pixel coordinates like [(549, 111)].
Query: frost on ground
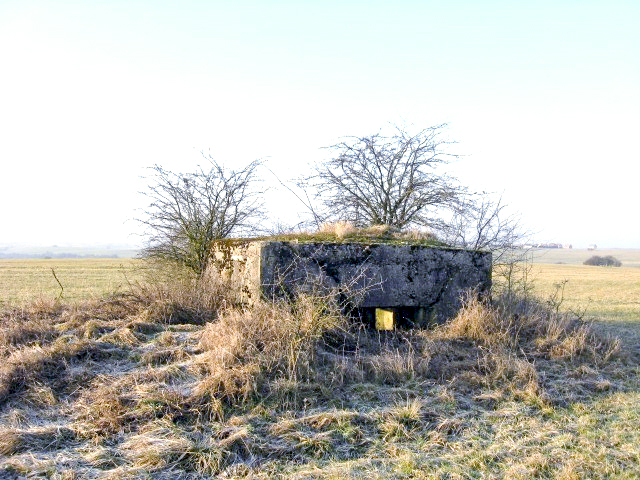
[(177, 383)]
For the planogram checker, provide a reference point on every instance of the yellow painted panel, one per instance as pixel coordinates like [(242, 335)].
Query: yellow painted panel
[(384, 319)]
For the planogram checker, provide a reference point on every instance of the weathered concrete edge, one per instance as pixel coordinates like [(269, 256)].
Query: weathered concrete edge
[(250, 281)]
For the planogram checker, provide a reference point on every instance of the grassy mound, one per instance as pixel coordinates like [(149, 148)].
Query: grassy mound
[(174, 381), (345, 232)]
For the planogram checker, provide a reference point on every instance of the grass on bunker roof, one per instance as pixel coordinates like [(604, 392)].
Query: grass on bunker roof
[(345, 232)]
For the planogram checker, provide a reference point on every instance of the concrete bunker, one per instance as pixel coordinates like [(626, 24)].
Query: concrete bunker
[(387, 286)]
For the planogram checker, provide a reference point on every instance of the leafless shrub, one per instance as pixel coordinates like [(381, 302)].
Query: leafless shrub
[(606, 261), (483, 223), (380, 180), (174, 294), (190, 210)]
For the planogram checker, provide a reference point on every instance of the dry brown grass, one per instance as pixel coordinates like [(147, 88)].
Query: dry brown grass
[(339, 229), (174, 381), (346, 232), (246, 348), (529, 324)]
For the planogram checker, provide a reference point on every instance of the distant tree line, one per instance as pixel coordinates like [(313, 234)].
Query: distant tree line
[(47, 255)]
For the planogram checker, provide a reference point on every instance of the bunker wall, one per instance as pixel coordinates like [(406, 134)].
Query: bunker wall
[(426, 280)]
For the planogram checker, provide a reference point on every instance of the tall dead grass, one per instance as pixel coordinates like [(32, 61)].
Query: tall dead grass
[(252, 353), (526, 324), (175, 295), (345, 230), (248, 348), (339, 229)]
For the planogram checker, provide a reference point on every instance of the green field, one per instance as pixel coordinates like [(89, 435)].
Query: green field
[(24, 280), (604, 293)]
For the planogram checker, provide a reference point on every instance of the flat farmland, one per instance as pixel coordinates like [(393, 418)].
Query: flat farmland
[(609, 297), (24, 280), (576, 256), (606, 293)]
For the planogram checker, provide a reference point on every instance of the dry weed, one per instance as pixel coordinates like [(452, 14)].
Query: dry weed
[(16, 332), (247, 348), (102, 410), (37, 439), (339, 229), (526, 325)]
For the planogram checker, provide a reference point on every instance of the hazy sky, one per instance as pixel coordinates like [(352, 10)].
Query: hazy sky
[(543, 98)]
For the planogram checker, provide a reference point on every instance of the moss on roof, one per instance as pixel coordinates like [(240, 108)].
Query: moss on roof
[(321, 237), (370, 236)]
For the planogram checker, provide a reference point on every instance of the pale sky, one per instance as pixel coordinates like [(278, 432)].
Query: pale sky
[(543, 98)]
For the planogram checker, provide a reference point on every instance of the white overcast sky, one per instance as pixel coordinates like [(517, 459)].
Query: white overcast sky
[(543, 98)]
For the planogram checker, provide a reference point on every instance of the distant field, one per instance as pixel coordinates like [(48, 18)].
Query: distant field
[(610, 293), (56, 251), (628, 257), (22, 280), (607, 292), (606, 295)]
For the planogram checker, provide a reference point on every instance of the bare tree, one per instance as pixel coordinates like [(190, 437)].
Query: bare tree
[(482, 223), (485, 224), (190, 210), (386, 180)]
